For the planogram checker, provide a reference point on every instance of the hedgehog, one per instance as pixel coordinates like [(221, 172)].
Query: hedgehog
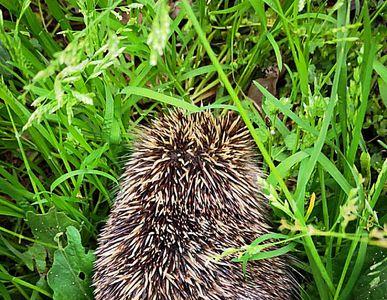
[(189, 190)]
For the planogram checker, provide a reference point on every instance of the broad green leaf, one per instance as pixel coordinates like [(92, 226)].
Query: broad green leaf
[(70, 275), (38, 254), (46, 226)]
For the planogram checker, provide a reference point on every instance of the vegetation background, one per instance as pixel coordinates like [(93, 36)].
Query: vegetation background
[(307, 77)]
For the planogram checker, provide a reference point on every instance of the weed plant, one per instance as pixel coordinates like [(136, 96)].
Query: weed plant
[(78, 76)]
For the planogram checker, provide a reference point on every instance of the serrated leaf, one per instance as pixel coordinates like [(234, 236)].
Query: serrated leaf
[(46, 226), (70, 275)]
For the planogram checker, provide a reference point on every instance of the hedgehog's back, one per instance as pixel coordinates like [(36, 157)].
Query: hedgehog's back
[(188, 192)]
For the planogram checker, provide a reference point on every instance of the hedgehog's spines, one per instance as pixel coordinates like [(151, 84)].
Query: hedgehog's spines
[(188, 192)]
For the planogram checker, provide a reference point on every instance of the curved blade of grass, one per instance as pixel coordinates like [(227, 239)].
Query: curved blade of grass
[(268, 236), (266, 254), (12, 206), (287, 164), (144, 92), (316, 16), (38, 133), (200, 71), (325, 211), (66, 176), (230, 9), (276, 50)]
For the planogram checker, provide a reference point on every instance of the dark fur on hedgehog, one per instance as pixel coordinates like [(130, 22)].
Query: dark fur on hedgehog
[(189, 191)]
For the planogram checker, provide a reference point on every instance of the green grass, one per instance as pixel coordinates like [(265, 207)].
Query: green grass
[(78, 77)]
